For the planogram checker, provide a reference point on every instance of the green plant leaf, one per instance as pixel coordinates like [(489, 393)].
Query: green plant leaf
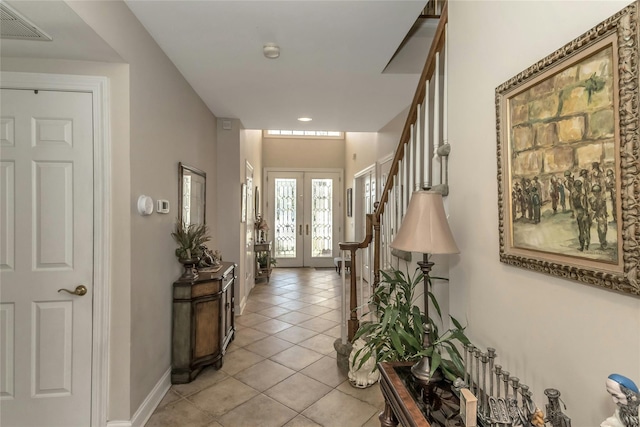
[(364, 358), (417, 320), (410, 339), (454, 357), (435, 361), (434, 301), (456, 323), (397, 345)]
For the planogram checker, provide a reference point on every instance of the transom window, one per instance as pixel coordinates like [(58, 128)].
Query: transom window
[(304, 133)]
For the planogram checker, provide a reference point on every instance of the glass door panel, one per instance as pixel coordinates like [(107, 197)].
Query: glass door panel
[(285, 218), (322, 218)]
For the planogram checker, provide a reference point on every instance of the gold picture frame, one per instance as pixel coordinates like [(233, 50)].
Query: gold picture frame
[(567, 131)]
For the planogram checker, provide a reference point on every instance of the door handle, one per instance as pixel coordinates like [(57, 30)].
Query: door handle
[(301, 229), (80, 290), (307, 226)]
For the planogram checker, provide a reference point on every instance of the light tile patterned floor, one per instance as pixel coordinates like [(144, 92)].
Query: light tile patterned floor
[(281, 368)]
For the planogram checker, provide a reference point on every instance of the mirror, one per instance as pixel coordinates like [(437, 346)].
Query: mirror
[(192, 195), (256, 205)]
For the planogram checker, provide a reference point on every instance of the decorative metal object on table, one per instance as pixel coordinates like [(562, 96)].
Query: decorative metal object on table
[(503, 400), (210, 262), (555, 416)]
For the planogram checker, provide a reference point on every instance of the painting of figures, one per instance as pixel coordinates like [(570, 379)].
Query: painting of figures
[(562, 140), (567, 170)]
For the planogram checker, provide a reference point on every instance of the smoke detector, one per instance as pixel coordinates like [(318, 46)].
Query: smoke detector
[(271, 50), (15, 26)]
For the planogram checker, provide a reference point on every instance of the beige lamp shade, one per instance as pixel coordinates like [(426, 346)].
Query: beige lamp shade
[(425, 228)]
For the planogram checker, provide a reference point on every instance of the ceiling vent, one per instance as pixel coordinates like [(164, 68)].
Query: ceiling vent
[(15, 26)]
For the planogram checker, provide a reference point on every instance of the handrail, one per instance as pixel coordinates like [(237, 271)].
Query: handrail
[(373, 226), (373, 220), (427, 72)]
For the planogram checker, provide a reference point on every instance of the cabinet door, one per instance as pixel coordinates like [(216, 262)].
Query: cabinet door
[(206, 330), (228, 311)]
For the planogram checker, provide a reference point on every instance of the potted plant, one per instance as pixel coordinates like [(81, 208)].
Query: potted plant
[(398, 333), (190, 239)]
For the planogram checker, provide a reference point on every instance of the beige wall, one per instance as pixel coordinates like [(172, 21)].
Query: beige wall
[(169, 124), (365, 149), (303, 153), (548, 331), (251, 149), (229, 177), (157, 121), (360, 153), (236, 146)]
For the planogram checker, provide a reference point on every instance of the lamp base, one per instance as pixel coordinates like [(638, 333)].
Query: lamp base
[(422, 371)]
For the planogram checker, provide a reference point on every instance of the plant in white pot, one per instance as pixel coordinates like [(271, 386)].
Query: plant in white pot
[(397, 335)]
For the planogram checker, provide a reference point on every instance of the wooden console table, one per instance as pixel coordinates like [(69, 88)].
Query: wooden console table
[(263, 260), (408, 401), (203, 322)]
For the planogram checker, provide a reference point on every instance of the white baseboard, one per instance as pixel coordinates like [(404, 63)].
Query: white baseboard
[(149, 405), (241, 307)]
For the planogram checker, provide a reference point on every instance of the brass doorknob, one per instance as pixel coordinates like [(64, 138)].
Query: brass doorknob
[(80, 290)]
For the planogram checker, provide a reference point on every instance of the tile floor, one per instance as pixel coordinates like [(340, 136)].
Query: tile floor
[(281, 369)]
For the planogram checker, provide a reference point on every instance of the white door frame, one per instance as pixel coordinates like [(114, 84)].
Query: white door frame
[(249, 263), (99, 88)]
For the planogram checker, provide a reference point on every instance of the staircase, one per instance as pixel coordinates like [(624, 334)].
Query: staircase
[(420, 162)]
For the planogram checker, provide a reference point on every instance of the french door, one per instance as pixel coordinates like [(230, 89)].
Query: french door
[(304, 217)]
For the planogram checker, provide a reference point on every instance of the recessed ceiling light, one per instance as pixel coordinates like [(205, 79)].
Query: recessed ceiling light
[(304, 119)]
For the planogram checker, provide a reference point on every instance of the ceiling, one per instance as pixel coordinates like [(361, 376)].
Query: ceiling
[(334, 64)]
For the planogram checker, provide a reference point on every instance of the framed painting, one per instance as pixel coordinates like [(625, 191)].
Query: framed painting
[(567, 130), (349, 202)]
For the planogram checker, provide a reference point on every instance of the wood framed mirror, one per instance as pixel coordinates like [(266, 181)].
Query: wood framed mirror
[(256, 205), (192, 195)]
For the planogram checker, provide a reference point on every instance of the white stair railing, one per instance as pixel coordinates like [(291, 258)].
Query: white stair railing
[(420, 162)]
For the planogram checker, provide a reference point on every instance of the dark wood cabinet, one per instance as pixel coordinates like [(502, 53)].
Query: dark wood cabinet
[(203, 322), (409, 400)]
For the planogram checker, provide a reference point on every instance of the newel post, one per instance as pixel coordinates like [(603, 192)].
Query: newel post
[(352, 323)]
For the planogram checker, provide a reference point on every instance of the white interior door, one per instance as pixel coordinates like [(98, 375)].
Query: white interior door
[(304, 209), (366, 187), (46, 244)]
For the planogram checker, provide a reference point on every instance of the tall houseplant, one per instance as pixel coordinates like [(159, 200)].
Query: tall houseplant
[(398, 333)]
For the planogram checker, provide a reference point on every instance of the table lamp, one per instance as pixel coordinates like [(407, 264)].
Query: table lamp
[(425, 229)]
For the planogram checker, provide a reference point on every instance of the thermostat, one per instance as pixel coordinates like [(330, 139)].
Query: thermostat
[(162, 206), (145, 205)]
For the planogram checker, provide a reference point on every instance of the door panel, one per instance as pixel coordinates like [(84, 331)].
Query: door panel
[(46, 244), (305, 209), (286, 209), (320, 217)]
